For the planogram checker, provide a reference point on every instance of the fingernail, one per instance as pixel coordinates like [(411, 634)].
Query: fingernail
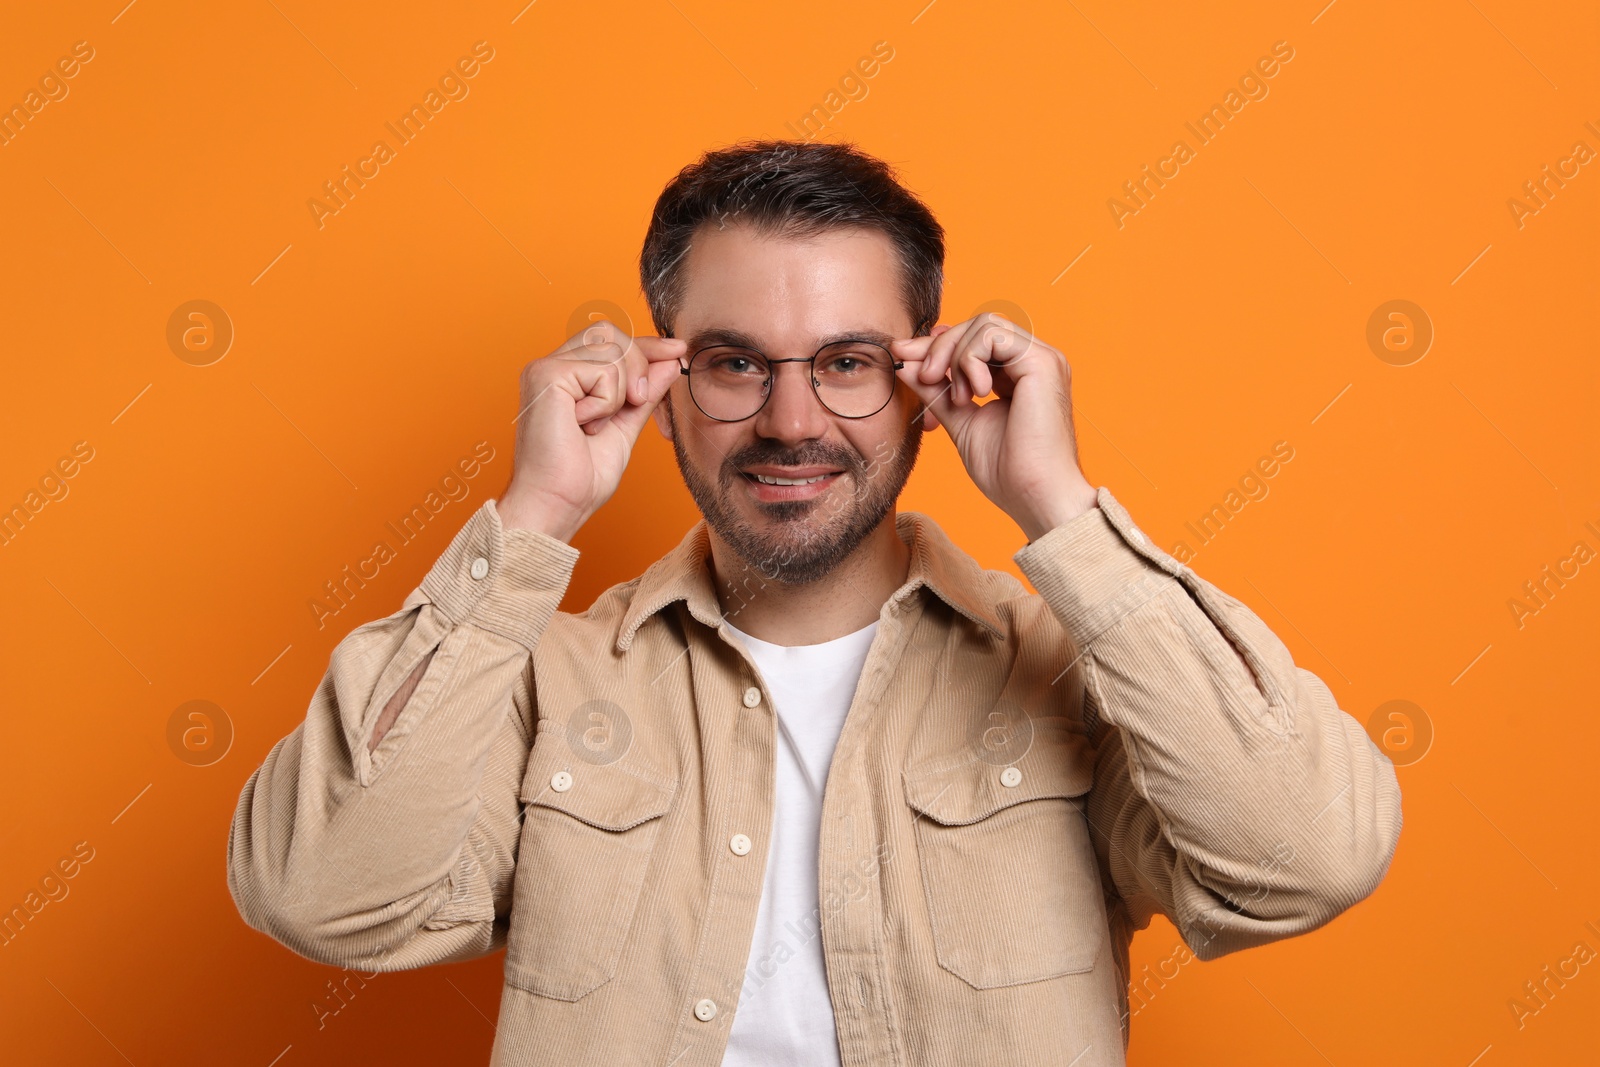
[(643, 385)]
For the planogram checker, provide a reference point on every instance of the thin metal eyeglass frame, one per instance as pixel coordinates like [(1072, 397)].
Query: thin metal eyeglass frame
[(811, 377)]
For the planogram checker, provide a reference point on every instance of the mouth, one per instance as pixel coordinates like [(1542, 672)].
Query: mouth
[(772, 484)]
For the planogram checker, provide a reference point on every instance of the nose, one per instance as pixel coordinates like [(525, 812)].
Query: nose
[(792, 413)]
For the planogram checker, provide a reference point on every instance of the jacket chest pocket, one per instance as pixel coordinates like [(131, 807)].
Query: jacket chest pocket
[(588, 834), (1009, 872)]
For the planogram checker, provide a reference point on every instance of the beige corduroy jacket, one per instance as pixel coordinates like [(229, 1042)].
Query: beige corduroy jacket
[(1021, 782)]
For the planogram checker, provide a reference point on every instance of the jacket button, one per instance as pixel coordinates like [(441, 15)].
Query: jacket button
[(561, 781), (705, 1010), (1010, 777), (740, 844), (752, 697), (480, 568)]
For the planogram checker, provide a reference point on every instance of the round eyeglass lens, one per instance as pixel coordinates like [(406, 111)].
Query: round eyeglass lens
[(854, 379)]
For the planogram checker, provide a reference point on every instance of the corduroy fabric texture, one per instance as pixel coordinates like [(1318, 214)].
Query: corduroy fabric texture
[(1023, 780)]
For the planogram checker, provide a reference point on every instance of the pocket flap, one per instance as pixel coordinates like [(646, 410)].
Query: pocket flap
[(1059, 763), (606, 795)]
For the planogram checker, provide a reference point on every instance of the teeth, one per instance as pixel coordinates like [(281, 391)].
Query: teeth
[(769, 480)]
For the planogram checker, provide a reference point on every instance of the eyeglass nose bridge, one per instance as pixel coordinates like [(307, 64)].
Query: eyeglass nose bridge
[(812, 374)]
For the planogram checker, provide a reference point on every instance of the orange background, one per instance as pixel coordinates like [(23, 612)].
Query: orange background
[(372, 353)]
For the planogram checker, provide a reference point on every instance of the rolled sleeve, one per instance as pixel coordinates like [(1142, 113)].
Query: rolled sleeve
[(499, 579), (1097, 568)]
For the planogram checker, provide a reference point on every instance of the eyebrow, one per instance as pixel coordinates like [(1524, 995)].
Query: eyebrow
[(706, 338)]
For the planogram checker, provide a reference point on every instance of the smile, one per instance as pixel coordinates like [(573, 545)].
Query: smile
[(767, 479), (772, 485)]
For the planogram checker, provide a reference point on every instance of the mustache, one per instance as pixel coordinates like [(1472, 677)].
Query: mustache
[(816, 454)]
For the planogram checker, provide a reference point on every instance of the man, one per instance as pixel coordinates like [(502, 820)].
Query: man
[(815, 788)]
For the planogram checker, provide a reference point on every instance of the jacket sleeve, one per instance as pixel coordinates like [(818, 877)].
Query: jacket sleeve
[(1231, 793), (404, 856)]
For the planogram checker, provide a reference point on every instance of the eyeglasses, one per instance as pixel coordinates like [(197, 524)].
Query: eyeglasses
[(852, 379)]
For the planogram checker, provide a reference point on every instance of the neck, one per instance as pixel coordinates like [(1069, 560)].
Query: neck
[(846, 600)]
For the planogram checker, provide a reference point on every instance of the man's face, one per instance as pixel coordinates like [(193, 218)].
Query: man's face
[(789, 297)]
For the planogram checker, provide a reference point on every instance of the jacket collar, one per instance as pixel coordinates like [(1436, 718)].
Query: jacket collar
[(684, 574)]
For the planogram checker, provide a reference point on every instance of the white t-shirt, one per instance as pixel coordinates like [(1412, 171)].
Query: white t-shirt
[(784, 1017)]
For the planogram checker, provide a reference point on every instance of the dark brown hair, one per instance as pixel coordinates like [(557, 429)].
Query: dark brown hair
[(791, 189)]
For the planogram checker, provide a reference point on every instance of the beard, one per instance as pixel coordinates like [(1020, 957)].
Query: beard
[(806, 539)]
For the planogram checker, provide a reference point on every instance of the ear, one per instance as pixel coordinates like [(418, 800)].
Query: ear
[(662, 413), (913, 403)]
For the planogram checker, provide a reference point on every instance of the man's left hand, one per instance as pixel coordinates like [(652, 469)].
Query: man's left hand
[(1019, 448)]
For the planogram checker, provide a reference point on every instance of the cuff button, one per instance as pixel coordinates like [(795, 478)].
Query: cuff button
[(480, 568)]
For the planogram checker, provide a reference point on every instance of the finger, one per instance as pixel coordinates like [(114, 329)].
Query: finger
[(628, 359), (605, 400), (597, 332), (968, 363), (630, 418), (653, 351), (998, 345), (970, 359), (937, 401), (992, 338), (978, 374), (637, 355), (629, 364), (598, 353), (937, 362), (600, 369), (937, 359), (596, 370), (1009, 342), (960, 388), (915, 349), (912, 350), (976, 351), (633, 369), (604, 339), (661, 348)]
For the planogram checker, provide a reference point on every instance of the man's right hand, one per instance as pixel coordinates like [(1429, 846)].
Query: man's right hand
[(582, 408)]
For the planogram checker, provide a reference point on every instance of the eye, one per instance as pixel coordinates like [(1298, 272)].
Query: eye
[(850, 362), (732, 362)]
